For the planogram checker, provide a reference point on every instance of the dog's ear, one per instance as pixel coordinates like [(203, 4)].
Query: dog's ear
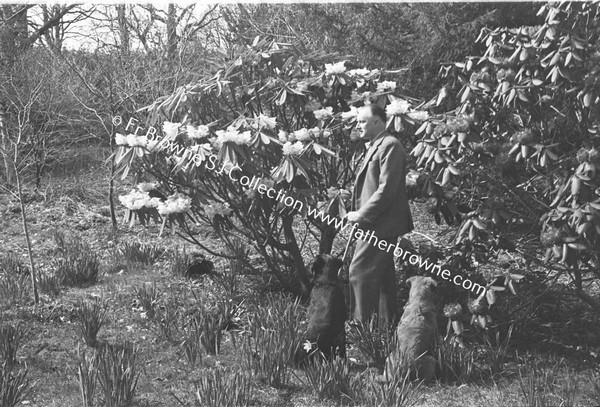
[(317, 266), (432, 282), (411, 279)]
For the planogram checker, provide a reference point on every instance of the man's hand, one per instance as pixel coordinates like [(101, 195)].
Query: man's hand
[(353, 217)]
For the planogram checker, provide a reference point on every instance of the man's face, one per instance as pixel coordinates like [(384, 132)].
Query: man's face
[(368, 125)]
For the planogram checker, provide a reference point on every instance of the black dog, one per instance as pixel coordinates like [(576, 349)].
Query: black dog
[(326, 312)]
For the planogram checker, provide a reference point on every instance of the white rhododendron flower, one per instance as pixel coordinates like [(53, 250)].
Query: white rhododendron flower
[(171, 129), (359, 72), (350, 114), (302, 135), (386, 85), (197, 132), (266, 121), (135, 141), (121, 140), (398, 106), (135, 200), (146, 186), (282, 135), (338, 67), (214, 209), (418, 115), (176, 203), (302, 86), (315, 131), (293, 149), (234, 136), (323, 114)]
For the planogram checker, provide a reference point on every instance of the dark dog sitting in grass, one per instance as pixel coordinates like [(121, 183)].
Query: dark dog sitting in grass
[(416, 333), (326, 313)]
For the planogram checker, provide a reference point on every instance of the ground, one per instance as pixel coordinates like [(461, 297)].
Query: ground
[(75, 205)]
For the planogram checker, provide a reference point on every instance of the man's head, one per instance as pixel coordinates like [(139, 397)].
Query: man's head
[(371, 121)]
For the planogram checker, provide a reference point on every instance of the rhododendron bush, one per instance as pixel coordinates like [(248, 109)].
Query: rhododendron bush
[(514, 162), (277, 116), (507, 151)]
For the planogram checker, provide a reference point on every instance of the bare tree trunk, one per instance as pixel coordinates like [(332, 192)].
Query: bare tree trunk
[(123, 29), (6, 151), (26, 231), (171, 33)]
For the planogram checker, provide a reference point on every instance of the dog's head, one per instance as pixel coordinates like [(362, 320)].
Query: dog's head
[(325, 268), (422, 288)]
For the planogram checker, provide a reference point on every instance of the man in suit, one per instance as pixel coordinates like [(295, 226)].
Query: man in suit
[(380, 206)]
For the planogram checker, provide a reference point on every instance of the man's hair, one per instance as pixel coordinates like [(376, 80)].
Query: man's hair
[(376, 110)]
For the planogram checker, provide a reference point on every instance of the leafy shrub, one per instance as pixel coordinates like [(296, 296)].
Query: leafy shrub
[(220, 388), (14, 280), (143, 253), (118, 373), (78, 264), (91, 317)]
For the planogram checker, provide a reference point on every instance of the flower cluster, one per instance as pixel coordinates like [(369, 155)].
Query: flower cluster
[(302, 134), (385, 86), (176, 203), (396, 107), (418, 115), (293, 149), (265, 121), (197, 132), (171, 129), (323, 114), (353, 112), (337, 68), (138, 199), (359, 72), (234, 136), (217, 209)]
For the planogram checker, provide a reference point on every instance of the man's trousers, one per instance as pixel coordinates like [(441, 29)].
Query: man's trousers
[(373, 281)]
